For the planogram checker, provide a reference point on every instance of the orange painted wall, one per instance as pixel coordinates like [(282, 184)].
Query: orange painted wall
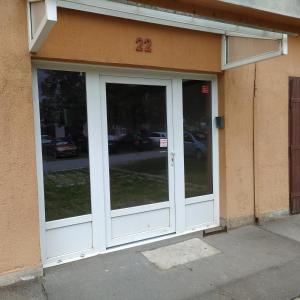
[(238, 94), (92, 38), (271, 129), (265, 132), (19, 225), (253, 145)]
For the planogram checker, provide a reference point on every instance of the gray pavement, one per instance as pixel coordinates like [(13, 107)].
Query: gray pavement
[(33, 290), (254, 263), (286, 226)]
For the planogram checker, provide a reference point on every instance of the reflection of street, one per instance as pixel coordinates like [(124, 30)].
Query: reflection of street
[(121, 159), (138, 178), (65, 164), (114, 160)]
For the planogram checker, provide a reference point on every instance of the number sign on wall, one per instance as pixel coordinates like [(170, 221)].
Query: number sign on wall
[(143, 45)]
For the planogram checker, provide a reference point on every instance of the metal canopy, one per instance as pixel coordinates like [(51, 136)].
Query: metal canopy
[(145, 13), (290, 8), (42, 15), (134, 11)]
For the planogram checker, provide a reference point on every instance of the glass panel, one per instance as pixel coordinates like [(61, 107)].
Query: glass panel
[(197, 137), (137, 141), (239, 48), (63, 117)]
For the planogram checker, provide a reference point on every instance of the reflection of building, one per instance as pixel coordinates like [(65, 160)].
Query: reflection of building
[(250, 156), (59, 131)]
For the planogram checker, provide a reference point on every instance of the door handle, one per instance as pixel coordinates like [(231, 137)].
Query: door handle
[(172, 158)]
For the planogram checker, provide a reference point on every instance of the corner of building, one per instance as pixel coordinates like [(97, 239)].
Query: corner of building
[(19, 221)]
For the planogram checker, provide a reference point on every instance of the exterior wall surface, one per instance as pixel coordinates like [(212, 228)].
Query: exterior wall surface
[(92, 38), (256, 110), (19, 226), (253, 99), (238, 94)]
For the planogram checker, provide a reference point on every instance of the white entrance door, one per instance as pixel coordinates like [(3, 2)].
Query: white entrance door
[(138, 152)]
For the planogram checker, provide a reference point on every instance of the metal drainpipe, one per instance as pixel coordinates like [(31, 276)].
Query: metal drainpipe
[(255, 204)]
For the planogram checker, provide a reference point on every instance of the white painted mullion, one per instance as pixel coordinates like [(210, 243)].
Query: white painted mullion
[(284, 44), (199, 199), (224, 51), (39, 165), (105, 158), (215, 154), (69, 221), (96, 159), (138, 209), (171, 153), (179, 158)]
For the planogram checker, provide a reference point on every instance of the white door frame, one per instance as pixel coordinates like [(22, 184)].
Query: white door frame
[(96, 155), (111, 215)]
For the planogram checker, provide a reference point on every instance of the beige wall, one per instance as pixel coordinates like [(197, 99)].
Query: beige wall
[(252, 121), (269, 188), (238, 93), (271, 129), (19, 236)]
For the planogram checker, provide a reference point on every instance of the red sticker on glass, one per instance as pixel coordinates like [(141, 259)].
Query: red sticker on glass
[(205, 89), (163, 143)]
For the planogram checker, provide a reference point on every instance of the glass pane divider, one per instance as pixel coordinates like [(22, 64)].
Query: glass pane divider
[(138, 209), (68, 221)]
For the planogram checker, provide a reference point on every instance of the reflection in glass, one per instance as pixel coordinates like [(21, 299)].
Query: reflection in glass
[(137, 142), (63, 119), (197, 137)]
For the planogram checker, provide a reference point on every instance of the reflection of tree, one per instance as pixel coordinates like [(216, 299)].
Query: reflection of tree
[(136, 107), (62, 101), (197, 119), (196, 107)]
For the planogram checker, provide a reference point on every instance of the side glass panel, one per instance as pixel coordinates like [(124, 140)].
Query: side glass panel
[(63, 120), (197, 138), (138, 144)]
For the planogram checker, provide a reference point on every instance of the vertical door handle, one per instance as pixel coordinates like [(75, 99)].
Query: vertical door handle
[(172, 158)]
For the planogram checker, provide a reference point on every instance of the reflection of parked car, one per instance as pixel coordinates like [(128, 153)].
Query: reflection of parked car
[(130, 142), (46, 141), (194, 145), (156, 136), (63, 147)]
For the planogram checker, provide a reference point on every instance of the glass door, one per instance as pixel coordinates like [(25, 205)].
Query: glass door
[(138, 147)]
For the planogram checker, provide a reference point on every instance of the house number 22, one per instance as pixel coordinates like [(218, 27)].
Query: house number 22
[(143, 44)]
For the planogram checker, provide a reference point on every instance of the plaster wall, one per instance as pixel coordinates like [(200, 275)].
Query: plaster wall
[(238, 95), (257, 131), (253, 99), (19, 226), (271, 129)]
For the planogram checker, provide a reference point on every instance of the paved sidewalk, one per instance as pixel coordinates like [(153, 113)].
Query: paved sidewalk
[(253, 262)]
